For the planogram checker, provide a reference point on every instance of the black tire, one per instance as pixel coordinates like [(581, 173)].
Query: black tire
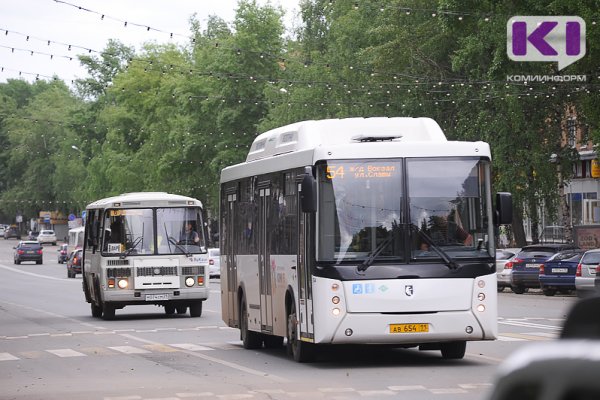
[(38, 262), (518, 289), (549, 291), (96, 310), (500, 289), (69, 274), (181, 309), (454, 350), (196, 309), (108, 311), (19, 262), (169, 309), (250, 339), (300, 351)]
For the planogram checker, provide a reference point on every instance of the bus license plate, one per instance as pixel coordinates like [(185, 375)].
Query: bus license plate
[(154, 297), (409, 328)]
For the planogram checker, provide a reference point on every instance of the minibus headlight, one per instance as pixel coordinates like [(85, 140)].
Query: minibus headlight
[(123, 283), (189, 281)]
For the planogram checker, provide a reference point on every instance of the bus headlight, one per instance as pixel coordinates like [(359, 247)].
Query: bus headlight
[(123, 283), (189, 281)]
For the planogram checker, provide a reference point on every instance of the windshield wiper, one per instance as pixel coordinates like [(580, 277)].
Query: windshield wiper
[(447, 259), (132, 248), (180, 247), (377, 251)]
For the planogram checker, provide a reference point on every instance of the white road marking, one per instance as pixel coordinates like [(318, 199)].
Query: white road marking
[(448, 391), (368, 393), (66, 353), (128, 349), (190, 347), (407, 388), (7, 357), (201, 394)]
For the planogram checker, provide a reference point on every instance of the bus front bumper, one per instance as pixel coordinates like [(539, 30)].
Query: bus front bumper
[(155, 296)]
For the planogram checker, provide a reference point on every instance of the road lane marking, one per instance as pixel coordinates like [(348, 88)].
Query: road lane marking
[(190, 347), (531, 325), (129, 349), (35, 275), (8, 357), (66, 353), (217, 360), (526, 336), (407, 388)]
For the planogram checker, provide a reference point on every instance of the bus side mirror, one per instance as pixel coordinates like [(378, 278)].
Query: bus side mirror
[(503, 208), (308, 193)]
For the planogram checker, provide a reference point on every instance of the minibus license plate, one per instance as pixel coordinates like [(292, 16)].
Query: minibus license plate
[(409, 328), (154, 297)]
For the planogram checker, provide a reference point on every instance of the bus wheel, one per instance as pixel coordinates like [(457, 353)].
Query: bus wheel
[(96, 310), (250, 339), (454, 350), (108, 311), (299, 350), (181, 309), (169, 309), (196, 309)]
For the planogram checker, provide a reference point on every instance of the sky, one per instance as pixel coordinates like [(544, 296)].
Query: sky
[(41, 38)]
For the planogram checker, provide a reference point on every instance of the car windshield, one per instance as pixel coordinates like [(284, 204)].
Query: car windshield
[(591, 258), (361, 206), (567, 256)]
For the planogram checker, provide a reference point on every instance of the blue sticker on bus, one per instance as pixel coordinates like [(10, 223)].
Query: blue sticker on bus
[(357, 288), (369, 288)]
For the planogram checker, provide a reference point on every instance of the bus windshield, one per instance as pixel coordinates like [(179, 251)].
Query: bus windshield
[(366, 216), (148, 231)]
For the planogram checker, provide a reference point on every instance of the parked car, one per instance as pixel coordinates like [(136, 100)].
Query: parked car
[(63, 254), (586, 273), (12, 232), (558, 272), (28, 250), (214, 262), (47, 236), (526, 264), (74, 263), (503, 268)]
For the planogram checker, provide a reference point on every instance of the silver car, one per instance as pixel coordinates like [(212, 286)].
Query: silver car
[(503, 256), (214, 262), (586, 273), (47, 236)]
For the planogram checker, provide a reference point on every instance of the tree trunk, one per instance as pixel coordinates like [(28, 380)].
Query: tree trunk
[(518, 231)]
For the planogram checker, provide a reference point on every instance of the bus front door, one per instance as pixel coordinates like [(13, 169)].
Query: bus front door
[(305, 316), (264, 265)]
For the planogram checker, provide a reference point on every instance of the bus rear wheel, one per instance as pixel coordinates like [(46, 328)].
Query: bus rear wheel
[(454, 350), (96, 310), (196, 309), (250, 339), (299, 350), (108, 311)]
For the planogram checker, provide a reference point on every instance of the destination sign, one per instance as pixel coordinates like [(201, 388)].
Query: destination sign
[(362, 171)]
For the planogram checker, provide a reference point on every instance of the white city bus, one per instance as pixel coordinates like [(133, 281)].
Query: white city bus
[(75, 239), (137, 251), (364, 231)]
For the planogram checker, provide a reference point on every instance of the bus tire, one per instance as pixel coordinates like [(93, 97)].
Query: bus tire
[(454, 350), (181, 309), (300, 351), (108, 311), (250, 339), (96, 310), (196, 309), (169, 309)]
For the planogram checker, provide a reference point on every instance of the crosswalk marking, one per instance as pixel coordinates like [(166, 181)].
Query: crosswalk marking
[(526, 336), (66, 353), (190, 347), (160, 348), (129, 349), (7, 357)]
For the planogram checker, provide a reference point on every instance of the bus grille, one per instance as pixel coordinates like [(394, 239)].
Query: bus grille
[(153, 271), (194, 270), (114, 263), (118, 272)]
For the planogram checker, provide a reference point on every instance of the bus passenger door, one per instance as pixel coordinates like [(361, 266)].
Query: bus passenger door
[(264, 265), (305, 316), (229, 249)]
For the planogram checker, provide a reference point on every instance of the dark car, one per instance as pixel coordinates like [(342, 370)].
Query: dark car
[(63, 254), (28, 250), (74, 263), (526, 264), (12, 232), (558, 272), (33, 235)]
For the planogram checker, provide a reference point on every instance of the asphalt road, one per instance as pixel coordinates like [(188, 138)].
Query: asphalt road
[(52, 348)]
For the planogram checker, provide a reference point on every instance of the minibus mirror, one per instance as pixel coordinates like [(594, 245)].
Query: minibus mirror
[(308, 193), (503, 208)]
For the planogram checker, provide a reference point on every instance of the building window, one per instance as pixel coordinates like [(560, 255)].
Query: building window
[(571, 131)]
